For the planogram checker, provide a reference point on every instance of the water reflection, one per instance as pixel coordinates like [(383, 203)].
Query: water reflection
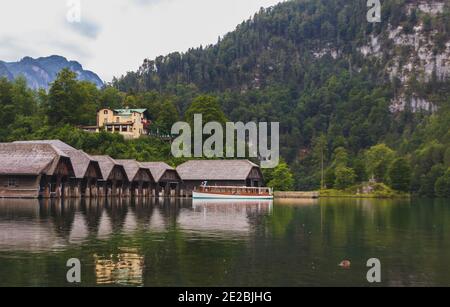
[(182, 242), (26, 225), (125, 268), (223, 216), (41, 225)]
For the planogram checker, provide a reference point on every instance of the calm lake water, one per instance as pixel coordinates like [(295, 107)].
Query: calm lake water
[(186, 243)]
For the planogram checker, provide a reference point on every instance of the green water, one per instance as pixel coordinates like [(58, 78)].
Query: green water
[(181, 243)]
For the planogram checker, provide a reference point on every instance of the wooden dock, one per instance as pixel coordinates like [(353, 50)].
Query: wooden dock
[(297, 194)]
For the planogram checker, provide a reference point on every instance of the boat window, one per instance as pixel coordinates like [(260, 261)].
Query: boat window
[(12, 182)]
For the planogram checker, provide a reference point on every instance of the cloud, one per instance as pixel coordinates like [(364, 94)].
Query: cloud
[(10, 47), (72, 49), (149, 2), (13, 49), (115, 36), (85, 28)]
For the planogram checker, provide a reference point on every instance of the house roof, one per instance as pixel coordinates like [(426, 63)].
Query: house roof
[(216, 169), (107, 165), (80, 160), (129, 111), (157, 169), (30, 159), (132, 168)]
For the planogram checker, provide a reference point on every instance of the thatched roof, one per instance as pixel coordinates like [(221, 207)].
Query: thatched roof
[(107, 165), (31, 159), (216, 169), (158, 169), (81, 161), (132, 168)]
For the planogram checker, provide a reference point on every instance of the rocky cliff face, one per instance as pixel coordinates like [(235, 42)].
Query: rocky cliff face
[(413, 54), (4, 72), (40, 72)]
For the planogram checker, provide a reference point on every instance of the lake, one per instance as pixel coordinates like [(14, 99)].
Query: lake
[(190, 243)]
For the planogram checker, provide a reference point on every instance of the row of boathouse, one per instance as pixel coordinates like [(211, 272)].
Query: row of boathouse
[(53, 169)]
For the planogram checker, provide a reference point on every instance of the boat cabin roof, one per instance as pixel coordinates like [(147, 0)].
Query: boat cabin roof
[(233, 187)]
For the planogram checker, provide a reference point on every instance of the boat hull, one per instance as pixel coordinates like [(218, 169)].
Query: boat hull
[(203, 195)]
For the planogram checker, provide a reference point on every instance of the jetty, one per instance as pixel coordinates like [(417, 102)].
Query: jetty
[(297, 194)]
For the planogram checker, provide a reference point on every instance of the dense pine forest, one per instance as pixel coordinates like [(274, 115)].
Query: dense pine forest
[(356, 101)]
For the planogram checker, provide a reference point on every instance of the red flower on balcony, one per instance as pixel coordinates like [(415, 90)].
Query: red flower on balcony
[(146, 123)]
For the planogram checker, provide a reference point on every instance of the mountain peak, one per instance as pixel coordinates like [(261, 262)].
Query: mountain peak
[(27, 60), (54, 58), (40, 72)]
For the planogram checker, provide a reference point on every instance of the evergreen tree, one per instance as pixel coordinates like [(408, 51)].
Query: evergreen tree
[(208, 106), (111, 98), (378, 159), (400, 175), (71, 101), (330, 178), (345, 177), (167, 116), (282, 178), (442, 186), (428, 180)]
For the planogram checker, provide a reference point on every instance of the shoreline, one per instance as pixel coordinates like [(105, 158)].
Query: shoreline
[(338, 194), (382, 193), (366, 196)]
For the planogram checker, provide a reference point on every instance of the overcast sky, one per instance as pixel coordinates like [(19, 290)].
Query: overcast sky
[(114, 36)]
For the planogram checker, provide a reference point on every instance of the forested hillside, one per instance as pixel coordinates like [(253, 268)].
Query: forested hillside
[(363, 100), (332, 80)]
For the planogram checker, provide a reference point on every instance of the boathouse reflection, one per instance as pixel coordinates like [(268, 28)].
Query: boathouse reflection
[(49, 224)]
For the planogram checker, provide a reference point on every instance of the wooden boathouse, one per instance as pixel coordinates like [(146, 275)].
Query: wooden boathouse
[(87, 170), (52, 168), (168, 181), (140, 179), (33, 170), (219, 173), (114, 180)]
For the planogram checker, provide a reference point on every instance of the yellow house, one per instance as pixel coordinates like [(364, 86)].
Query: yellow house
[(131, 123)]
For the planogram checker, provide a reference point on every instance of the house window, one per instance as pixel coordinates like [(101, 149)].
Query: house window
[(124, 128), (12, 182), (109, 128), (105, 112), (117, 119)]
